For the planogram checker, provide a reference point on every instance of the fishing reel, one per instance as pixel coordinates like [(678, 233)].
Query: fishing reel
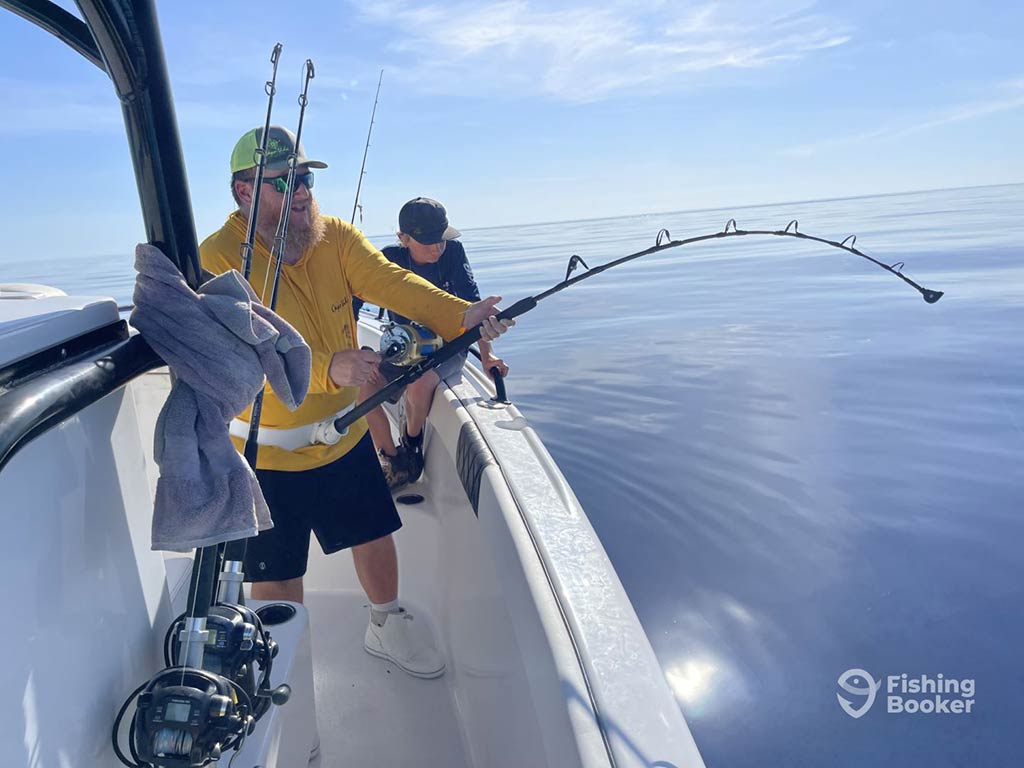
[(235, 643), (405, 344), (189, 717)]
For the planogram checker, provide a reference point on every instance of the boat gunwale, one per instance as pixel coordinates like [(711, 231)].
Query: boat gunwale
[(560, 593)]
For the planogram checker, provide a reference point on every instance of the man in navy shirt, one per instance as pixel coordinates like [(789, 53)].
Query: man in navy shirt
[(428, 247)]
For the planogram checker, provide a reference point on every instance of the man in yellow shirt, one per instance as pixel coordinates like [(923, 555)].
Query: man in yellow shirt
[(337, 490)]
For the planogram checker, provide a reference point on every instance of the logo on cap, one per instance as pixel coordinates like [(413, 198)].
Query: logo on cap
[(277, 149)]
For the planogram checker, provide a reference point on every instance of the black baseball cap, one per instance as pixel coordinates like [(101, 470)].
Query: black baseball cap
[(426, 221)]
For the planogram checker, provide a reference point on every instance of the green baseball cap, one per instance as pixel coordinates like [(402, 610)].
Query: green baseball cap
[(280, 144)]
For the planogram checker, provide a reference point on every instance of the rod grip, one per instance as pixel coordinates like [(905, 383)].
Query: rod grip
[(520, 307)]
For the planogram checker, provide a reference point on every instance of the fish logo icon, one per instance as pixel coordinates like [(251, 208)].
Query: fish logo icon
[(859, 683)]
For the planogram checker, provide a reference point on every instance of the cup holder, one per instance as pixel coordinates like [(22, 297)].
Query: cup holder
[(275, 613)]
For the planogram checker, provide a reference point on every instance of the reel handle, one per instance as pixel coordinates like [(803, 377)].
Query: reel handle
[(281, 694)]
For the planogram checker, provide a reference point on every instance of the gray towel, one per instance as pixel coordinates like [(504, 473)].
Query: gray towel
[(219, 342)]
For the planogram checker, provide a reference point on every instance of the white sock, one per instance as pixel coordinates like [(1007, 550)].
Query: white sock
[(389, 607), (379, 612)]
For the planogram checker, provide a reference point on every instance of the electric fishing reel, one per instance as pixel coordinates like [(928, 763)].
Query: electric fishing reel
[(187, 718), (405, 344), (236, 642)]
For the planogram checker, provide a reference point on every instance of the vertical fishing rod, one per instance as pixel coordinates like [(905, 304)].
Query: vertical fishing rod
[(204, 588), (281, 236), (280, 240), (229, 589), (234, 552), (366, 149), (261, 165)]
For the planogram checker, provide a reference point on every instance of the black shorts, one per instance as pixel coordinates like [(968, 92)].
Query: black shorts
[(345, 503)]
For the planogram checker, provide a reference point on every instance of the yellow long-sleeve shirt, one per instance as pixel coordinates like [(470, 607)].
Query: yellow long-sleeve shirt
[(315, 296)]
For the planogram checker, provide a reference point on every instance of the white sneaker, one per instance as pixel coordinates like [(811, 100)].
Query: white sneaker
[(397, 638)]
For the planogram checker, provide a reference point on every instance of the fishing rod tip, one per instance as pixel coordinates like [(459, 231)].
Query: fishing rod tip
[(931, 296)]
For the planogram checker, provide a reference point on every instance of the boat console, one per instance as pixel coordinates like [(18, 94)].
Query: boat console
[(94, 599)]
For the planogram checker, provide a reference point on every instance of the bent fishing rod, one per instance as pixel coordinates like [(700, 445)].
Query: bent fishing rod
[(366, 150), (663, 242)]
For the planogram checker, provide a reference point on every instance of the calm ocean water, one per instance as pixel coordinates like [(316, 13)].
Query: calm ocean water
[(797, 466)]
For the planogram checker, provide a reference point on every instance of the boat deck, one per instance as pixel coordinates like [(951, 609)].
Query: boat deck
[(369, 712)]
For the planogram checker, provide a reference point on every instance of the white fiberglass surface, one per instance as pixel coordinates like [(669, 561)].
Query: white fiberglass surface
[(30, 325), (85, 596), (369, 712)]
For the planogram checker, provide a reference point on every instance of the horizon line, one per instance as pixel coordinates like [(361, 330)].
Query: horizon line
[(720, 207)]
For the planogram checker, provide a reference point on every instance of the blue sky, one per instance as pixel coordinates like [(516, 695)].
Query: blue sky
[(519, 111)]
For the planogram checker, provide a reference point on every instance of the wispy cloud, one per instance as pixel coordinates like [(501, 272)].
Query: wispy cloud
[(588, 52), (1010, 98)]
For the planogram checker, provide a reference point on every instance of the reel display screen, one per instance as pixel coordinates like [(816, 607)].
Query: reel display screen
[(177, 711)]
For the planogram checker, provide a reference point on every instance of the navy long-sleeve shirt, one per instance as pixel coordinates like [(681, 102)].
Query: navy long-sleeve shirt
[(450, 273)]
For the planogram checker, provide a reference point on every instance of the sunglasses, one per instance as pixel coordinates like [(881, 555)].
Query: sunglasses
[(281, 182)]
